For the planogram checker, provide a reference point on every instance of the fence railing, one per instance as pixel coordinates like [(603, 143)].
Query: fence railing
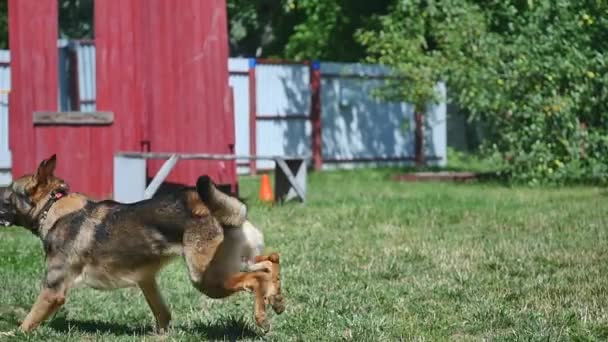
[(323, 110)]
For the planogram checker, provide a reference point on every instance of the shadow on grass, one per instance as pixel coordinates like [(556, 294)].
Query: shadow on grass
[(230, 329), (61, 324)]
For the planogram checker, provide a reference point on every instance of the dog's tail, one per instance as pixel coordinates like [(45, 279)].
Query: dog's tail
[(226, 209)]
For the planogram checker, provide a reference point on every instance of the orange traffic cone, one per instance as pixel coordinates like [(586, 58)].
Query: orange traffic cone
[(266, 194)]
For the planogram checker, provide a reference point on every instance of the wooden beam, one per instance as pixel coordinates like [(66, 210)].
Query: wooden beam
[(73, 118), (207, 156)]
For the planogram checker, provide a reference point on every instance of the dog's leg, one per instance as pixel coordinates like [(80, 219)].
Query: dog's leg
[(157, 304), (275, 297), (264, 266), (259, 283), (48, 302), (202, 237)]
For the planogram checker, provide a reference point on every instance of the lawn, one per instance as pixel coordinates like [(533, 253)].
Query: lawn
[(368, 259)]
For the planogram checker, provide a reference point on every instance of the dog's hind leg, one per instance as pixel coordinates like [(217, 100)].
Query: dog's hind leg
[(264, 266), (157, 304), (257, 282), (275, 297), (202, 237)]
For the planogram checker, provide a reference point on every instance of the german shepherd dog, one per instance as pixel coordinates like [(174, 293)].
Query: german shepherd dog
[(107, 245)]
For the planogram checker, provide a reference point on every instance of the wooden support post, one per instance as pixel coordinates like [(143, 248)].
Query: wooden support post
[(315, 114), (290, 179), (160, 176), (253, 112), (419, 138)]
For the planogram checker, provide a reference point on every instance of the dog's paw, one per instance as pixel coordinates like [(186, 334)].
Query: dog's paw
[(161, 331), (274, 258), (277, 303), (263, 324)]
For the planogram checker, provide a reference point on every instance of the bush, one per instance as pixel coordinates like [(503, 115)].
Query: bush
[(535, 73)]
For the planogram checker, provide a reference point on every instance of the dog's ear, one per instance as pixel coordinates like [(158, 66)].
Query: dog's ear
[(46, 169)]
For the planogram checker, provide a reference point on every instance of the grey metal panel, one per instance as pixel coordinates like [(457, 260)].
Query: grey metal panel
[(129, 179), (282, 89), (240, 88), (353, 69), (85, 54), (5, 86), (436, 119), (281, 138), (63, 50), (85, 58), (358, 126), (238, 64)]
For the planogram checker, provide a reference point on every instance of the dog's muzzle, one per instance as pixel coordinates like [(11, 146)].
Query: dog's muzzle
[(5, 219), (6, 215)]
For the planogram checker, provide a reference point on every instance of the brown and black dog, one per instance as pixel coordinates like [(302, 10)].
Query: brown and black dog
[(108, 245)]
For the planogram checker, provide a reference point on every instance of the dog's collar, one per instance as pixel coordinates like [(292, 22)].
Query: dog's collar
[(54, 196)]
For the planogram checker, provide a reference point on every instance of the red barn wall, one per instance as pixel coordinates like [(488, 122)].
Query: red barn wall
[(161, 69), (33, 43), (34, 87)]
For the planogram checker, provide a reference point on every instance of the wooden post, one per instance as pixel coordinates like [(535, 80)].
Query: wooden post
[(74, 82), (253, 112), (419, 138), (315, 114)]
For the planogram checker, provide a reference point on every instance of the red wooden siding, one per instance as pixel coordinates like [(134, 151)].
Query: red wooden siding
[(118, 82), (33, 43), (161, 68), (171, 86), (80, 150)]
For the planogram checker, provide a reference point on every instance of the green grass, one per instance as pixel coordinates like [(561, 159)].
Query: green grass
[(368, 259)]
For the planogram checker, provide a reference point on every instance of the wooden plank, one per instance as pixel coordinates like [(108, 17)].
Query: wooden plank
[(73, 118), (292, 180), (161, 175), (210, 156)]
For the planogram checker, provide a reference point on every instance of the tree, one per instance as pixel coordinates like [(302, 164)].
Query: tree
[(294, 29), (258, 28), (534, 72), (76, 19), (423, 42), (327, 28), (3, 24), (300, 29)]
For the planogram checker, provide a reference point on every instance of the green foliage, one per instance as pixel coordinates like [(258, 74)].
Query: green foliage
[(300, 29), (534, 72), (471, 162), (76, 19), (259, 28), (327, 28), (3, 24), (422, 41)]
